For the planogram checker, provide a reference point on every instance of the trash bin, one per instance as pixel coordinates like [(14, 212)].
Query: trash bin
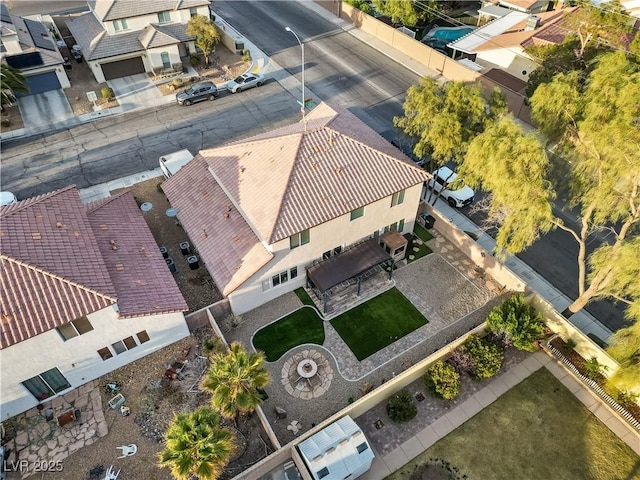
[(427, 220), (171, 265), (193, 262), (164, 252)]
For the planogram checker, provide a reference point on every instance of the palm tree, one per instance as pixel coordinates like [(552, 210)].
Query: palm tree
[(234, 379), (11, 82), (195, 444)]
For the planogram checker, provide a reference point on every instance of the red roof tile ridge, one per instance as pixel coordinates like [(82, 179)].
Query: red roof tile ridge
[(47, 273), (28, 202), (97, 204)]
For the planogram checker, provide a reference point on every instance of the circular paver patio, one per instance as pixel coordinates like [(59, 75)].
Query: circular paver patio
[(300, 386)]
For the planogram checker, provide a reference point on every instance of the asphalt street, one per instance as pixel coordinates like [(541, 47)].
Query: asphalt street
[(338, 68)]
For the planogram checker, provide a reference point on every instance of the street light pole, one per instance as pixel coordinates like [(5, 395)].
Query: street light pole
[(288, 29)]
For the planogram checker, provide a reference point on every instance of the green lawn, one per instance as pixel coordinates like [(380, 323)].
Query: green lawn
[(302, 326), (304, 297), (377, 323), (537, 430), (422, 232)]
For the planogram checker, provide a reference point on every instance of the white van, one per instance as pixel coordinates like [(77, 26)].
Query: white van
[(171, 163), (442, 178)]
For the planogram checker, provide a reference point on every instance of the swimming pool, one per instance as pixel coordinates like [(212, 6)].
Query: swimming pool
[(448, 34)]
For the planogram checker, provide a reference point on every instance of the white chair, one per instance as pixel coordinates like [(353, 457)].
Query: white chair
[(128, 450), (111, 475)]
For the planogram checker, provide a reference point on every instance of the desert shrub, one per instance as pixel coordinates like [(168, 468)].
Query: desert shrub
[(5, 122), (213, 345), (570, 345), (401, 407), (194, 60), (442, 380), (518, 323), (246, 55), (593, 369), (624, 397), (462, 361), (362, 5), (107, 93), (487, 356), (177, 82)]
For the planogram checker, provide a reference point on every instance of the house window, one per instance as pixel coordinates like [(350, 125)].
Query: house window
[(193, 11), (46, 384), (266, 285), (164, 17), (280, 278), (357, 213), (326, 255), (397, 198), (119, 347), (143, 337), (323, 472), (119, 25), (337, 250), (363, 447), (105, 353), (298, 239), (130, 343), (77, 327), (166, 61), (293, 272), (401, 225)]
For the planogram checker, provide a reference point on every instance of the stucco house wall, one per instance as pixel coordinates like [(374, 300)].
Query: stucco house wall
[(77, 358), (512, 60), (339, 232)]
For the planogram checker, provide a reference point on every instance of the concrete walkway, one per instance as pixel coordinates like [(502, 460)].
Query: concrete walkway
[(384, 465)]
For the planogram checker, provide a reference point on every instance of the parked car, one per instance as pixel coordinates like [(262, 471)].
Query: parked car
[(443, 177), (245, 81), (408, 151), (197, 93), (7, 198)]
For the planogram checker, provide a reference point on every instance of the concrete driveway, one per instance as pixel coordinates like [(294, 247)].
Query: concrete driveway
[(137, 91), (45, 109)]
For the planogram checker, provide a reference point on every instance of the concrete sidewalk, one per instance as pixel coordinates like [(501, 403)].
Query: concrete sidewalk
[(387, 464)]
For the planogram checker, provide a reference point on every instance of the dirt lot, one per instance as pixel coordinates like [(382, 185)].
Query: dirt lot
[(154, 401)]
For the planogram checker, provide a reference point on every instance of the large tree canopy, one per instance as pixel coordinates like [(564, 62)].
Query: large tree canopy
[(444, 118), (594, 125)]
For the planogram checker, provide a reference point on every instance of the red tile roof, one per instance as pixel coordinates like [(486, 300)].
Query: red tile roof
[(53, 270), (144, 285), (226, 243), (234, 198)]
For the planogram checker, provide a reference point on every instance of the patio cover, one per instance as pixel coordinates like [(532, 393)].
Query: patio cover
[(349, 264)]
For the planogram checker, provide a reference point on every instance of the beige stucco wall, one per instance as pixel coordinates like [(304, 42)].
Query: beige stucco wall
[(155, 59), (512, 60), (139, 23), (77, 358), (340, 231)]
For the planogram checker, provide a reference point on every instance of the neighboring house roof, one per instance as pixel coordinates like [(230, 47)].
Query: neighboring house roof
[(32, 36), (523, 5), (233, 199), (470, 42), (517, 34), (116, 9), (505, 79), (144, 285), (494, 11), (96, 44), (54, 268)]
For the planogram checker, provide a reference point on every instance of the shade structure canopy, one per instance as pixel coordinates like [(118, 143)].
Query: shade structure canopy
[(347, 265)]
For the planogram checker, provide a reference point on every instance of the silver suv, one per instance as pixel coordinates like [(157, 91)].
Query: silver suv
[(197, 93)]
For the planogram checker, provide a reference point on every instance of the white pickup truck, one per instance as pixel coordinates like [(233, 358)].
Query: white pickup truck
[(171, 163), (442, 178)]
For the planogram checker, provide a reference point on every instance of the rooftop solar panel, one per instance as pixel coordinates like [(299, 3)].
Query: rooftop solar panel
[(39, 34), (4, 13), (25, 60)]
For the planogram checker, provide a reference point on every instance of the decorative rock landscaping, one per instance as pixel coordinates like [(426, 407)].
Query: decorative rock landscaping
[(39, 436)]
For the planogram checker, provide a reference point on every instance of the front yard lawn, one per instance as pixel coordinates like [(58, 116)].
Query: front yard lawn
[(538, 429), (379, 322), (299, 327)]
